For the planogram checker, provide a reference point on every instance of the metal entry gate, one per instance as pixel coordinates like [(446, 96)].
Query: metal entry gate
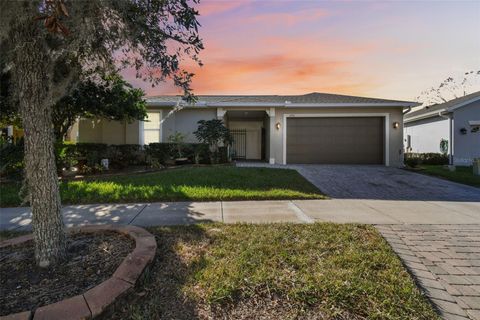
[(239, 145)]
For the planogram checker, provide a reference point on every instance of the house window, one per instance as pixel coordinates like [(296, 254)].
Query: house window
[(152, 131)]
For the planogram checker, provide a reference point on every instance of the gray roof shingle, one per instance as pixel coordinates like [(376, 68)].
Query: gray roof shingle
[(313, 98), (442, 106)]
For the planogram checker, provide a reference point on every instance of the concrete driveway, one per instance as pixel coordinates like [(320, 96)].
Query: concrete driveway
[(384, 183)]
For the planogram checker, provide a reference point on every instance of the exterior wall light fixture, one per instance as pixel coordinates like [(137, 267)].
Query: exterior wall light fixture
[(277, 125), (396, 125)]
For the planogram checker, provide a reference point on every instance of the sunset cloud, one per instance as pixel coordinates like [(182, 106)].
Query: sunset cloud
[(393, 49), (288, 18), (208, 8)]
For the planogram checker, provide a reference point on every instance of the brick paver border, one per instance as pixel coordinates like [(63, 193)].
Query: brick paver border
[(444, 261), (94, 301)]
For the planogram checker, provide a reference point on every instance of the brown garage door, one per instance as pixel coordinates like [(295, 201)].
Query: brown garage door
[(335, 140)]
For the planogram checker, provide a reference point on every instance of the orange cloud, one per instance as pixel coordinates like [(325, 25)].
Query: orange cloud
[(279, 74), (280, 65)]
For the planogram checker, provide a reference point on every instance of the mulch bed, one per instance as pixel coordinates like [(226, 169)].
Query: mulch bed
[(92, 259)]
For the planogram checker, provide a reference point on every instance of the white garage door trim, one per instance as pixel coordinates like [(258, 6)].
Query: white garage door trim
[(386, 116)]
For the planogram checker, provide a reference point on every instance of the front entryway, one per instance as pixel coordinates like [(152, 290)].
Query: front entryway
[(247, 139), (248, 133), (331, 140)]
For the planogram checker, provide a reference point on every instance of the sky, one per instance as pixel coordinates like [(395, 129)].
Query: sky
[(389, 49)]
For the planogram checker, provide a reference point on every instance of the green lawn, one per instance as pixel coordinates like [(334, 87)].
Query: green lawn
[(461, 174), (193, 183), (274, 271)]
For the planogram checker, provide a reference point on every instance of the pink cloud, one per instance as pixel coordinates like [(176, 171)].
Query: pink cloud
[(207, 8), (277, 65), (288, 18)]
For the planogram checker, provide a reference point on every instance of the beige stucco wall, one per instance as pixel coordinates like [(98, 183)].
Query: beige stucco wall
[(72, 134), (109, 132)]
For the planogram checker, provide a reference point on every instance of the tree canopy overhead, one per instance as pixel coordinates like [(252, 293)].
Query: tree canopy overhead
[(112, 99), (151, 36), (451, 88), (50, 46)]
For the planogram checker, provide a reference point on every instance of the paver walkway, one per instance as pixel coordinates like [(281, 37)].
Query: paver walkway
[(445, 261)]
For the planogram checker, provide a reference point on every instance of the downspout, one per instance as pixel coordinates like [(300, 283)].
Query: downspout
[(450, 136), (404, 149)]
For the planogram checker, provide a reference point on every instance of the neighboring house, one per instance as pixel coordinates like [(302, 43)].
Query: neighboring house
[(456, 121), (310, 128)]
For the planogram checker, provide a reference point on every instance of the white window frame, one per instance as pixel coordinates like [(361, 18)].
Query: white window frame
[(386, 116), (141, 128)]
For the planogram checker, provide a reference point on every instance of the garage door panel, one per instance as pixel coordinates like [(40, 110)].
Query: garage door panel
[(335, 140)]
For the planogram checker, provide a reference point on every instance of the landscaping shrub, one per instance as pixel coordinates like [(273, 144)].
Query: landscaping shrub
[(158, 152), (124, 155), (91, 153), (162, 152), (11, 160), (415, 159), (223, 154), (412, 162), (213, 133), (66, 155), (87, 156)]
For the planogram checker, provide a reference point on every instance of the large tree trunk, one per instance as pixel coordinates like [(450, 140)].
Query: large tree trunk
[(31, 83)]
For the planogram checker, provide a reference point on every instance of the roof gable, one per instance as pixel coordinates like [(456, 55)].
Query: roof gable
[(433, 110)]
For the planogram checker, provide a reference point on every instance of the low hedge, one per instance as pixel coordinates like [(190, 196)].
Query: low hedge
[(88, 156), (11, 159), (431, 158), (194, 152)]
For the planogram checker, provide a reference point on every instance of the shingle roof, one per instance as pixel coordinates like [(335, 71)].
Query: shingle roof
[(442, 106), (310, 98)]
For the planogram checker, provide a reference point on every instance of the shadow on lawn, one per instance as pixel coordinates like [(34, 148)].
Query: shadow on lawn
[(160, 294), (199, 184)]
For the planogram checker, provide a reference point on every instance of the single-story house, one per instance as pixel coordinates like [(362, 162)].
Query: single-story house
[(280, 129), (456, 121)]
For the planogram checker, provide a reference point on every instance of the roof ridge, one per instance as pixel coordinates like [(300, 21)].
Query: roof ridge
[(442, 106), (225, 98)]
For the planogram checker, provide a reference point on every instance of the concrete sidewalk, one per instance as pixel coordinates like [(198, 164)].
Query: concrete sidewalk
[(296, 211), (437, 240)]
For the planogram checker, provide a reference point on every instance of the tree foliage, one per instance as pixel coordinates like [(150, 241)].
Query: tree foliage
[(213, 133), (50, 47), (150, 36), (451, 88), (112, 99)]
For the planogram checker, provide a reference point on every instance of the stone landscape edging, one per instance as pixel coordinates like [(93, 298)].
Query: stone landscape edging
[(94, 301)]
